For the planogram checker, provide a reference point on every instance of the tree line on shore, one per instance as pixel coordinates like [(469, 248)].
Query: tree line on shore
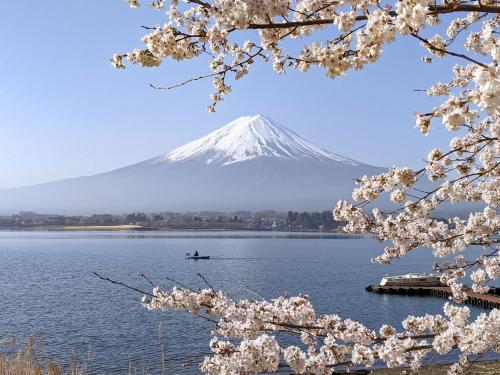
[(261, 220)]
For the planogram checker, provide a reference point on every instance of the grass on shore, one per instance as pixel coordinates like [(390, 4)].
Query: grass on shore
[(477, 368), (29, 362)]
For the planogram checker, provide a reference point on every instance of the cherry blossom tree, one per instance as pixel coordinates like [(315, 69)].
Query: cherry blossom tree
[(246, 333)]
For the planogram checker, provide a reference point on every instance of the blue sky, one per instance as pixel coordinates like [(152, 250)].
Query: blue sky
[(65, 112)]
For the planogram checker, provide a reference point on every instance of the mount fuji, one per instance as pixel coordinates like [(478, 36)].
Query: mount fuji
[(252, 163)]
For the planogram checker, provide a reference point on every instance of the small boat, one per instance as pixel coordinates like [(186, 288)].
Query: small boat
[(196, 256), (414, 279)]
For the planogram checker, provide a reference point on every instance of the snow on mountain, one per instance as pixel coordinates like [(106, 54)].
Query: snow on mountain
[(249, 137)]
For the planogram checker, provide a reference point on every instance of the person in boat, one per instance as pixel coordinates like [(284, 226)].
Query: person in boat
[(196, 253)]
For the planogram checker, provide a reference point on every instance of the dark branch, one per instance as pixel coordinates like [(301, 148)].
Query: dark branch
[(122, 284), (433, 9)]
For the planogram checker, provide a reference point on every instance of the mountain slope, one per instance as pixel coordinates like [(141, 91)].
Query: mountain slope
[(252, 164)]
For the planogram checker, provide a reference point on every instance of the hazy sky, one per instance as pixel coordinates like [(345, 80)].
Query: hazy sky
[(66, 112)]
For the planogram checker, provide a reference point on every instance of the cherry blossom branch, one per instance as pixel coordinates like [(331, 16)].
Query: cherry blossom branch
[(242, 320), (442, 50), (218, 73)]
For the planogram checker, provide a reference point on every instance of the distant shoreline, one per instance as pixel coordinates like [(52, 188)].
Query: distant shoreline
[(139, 228), (132, 232)]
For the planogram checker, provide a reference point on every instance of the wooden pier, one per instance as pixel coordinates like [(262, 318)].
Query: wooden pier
[(487, 301)]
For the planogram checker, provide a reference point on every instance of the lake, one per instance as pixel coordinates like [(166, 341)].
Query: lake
[(48, 289)]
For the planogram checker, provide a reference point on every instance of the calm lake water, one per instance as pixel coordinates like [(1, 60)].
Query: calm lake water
[(47, 288)]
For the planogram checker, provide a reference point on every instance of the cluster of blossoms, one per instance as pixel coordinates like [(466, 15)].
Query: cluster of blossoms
[(246, 337), (467, 173), (361, 28)]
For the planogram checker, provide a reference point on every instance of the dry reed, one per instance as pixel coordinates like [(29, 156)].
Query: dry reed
[(32, 361)]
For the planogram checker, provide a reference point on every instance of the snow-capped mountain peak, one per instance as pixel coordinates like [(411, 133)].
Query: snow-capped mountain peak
[(249, 137)]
